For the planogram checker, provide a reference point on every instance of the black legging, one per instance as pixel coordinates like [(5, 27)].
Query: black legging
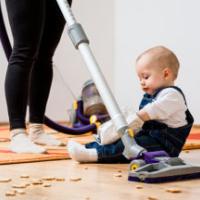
[(37, 26)]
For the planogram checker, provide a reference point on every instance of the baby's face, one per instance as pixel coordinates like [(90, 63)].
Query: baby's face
[(151, 75)]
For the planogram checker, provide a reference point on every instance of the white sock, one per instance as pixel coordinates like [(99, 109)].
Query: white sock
[(38, 136), (79, 153), (20, 143)]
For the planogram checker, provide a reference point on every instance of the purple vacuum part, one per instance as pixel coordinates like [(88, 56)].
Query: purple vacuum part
[(78, 125), (150, 157), (166, 179), (80, 115), (67, 130), (85, 119), (158, 167)]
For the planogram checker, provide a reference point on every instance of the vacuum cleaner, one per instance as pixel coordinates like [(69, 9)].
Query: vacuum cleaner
[(81, 42), (89, 106), (86, 114), (158, 167), (143, 162)]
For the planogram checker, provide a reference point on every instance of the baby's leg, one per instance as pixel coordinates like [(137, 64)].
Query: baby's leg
[(144, 139), (94, 152), (80, 153), (111, 153)]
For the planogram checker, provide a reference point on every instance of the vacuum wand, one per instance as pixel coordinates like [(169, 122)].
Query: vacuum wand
[(81, 42)]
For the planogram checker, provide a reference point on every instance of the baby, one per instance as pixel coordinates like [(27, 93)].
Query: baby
[(163, 121)]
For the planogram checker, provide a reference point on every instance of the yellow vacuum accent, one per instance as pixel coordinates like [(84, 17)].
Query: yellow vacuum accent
[(131, 132), (93, 120), (133, 167), (75, 105)]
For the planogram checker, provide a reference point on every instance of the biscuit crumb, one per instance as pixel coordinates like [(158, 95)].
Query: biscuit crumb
[(47, 185), (48, 178), (24, 176), (27, 184), (20, 191), (117, 175), (10, 193), (152, 198), (20, 186), (60, 179), (75, 179), (37, 182), (5, 180), (173, 190), (139, 186)]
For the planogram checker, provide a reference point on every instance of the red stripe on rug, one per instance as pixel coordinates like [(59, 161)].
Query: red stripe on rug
[(3, 128), (48, 153), (5, 151), (194, 136)]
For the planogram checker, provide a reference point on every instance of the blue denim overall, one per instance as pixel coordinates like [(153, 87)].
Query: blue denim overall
[(154, 136)]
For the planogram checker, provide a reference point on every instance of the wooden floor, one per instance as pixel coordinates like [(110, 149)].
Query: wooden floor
[(98, 181)]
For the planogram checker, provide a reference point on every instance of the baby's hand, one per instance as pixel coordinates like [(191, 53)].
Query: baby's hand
[(107, 133)]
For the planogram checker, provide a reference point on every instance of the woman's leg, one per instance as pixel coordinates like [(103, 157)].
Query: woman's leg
[(42, 73), (26, 20)]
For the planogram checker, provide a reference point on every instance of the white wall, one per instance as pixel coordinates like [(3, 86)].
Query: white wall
[(119, 31), (141, 24), (97, 18)]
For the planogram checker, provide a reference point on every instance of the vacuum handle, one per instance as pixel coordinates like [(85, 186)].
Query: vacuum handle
[(81, 42), (67, 12)]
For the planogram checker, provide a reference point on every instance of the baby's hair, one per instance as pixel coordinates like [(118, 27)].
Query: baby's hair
[(166, 57)]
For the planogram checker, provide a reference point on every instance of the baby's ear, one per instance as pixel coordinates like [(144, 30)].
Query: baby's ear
[(167, 72)]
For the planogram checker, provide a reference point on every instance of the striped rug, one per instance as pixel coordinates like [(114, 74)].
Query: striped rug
[(60, 153), (53, 153)]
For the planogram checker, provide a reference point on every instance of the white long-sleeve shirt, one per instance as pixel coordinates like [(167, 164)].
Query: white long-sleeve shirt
[(168, 107)]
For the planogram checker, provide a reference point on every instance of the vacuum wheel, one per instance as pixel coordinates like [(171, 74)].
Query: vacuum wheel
[(135, 164)]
